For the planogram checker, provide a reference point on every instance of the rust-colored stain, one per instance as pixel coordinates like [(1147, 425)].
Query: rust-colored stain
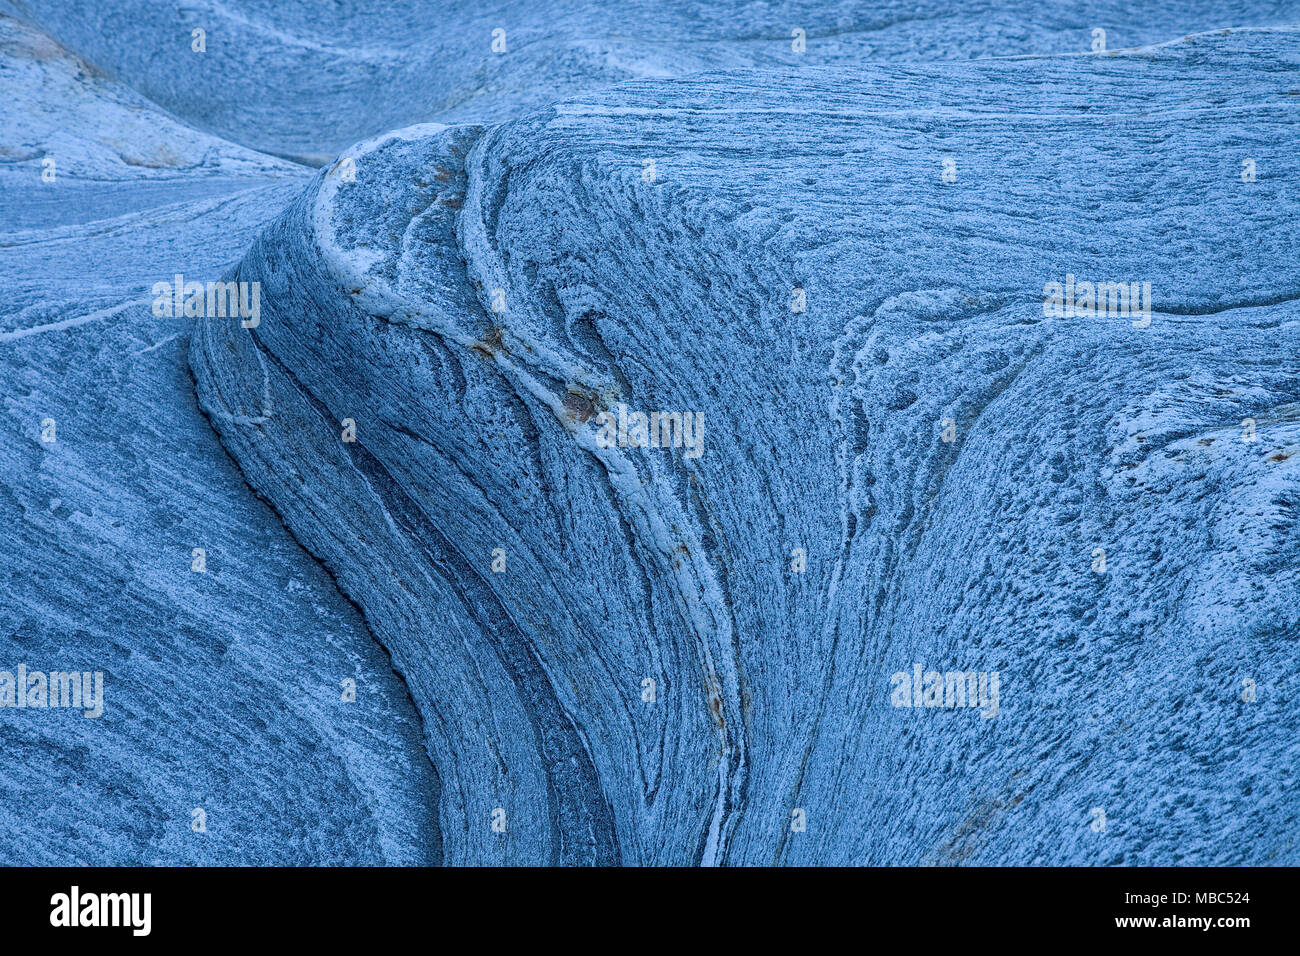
[(715, 703), (491, 343), (578, 407)]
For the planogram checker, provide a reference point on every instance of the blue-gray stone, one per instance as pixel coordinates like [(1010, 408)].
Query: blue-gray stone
[(829, 239)]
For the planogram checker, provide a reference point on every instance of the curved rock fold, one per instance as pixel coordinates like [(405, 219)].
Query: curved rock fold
[(945, 454)]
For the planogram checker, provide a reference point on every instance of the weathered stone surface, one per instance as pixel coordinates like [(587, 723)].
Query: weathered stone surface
[(834, 258), (222, 689), (824, 430), (308, 79)]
